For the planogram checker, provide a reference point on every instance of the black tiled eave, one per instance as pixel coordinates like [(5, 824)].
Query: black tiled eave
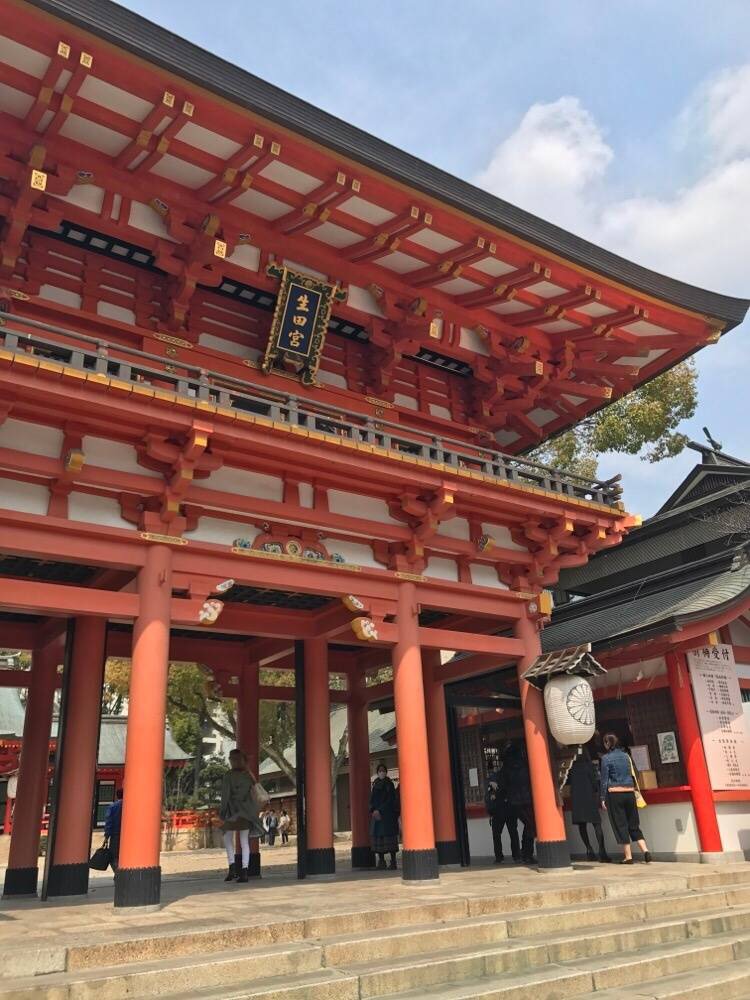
[(276, 598), (49, 572), (13, 616)]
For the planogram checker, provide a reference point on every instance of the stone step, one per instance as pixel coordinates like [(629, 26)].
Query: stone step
[(634, 955), (544, 911), (707, 966), (624, 946), (731, 982)]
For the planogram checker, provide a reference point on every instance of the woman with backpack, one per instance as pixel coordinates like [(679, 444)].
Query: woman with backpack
[(239, 811)]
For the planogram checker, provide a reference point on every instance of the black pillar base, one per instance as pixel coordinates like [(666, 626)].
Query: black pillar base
[(138, 886), (419, 865), (448, 852), (363, 857), (68, 880), (253, 870), (321, 861), (21, 882), (553, 854)]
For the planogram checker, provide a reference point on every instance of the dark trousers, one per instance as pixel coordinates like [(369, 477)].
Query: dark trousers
[(524, 811), (501, 818), (114, 849), (284, 837)]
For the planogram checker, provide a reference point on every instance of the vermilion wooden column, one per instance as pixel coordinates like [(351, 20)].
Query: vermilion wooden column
[(321, 858), (440, 762), (701, 793), (419, 857), (359, 773), (551, 845), (69, 872), (23, 860), (248, 739), (138, 879)]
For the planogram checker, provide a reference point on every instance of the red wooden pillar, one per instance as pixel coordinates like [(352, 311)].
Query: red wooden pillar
[(321, 859), (551, 845), (359, 772), (23, 860), (69, 873), (248, 740), (698, 778), (440, 762), (419, 857), (138, 878)]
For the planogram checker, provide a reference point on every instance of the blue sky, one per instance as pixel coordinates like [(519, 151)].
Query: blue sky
[(626, 122)]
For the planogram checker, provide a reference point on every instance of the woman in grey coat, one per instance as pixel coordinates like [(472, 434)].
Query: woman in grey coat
[(239, 812)]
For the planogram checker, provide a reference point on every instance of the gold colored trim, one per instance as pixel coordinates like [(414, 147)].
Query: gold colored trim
[(415, 577), (177, 341), (151, 536)]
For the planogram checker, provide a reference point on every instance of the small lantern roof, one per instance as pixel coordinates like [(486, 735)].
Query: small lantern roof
[(576, 660)]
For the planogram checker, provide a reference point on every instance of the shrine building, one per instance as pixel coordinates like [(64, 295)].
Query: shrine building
[(267, 389)]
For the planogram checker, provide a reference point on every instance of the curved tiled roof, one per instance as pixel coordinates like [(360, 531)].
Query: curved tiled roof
[(162, 48)]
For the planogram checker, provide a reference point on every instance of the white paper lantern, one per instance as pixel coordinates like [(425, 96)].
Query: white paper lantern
[(569, 702)]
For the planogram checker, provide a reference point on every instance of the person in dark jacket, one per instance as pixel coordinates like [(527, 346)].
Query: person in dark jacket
[(384, 812), (618, 787), (501, 815), (517, 783), (585, 798), (112, 826)]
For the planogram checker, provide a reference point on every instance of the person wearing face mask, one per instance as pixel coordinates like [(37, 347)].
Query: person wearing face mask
[(384, 817)]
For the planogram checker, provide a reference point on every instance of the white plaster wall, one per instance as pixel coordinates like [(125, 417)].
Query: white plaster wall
[(97, 510), (114, 455), (409, 402), (221, 532), (331, 378), (641, 670), (734, 826), (740, 633), (352, 552), (486, 576), (355, 505), (26, 497), (456, 527), (60, 295), (225, 346), (440, 411), (250, 484), (306, 495), (111, 311), (480, 838), (36, 439), (669, 828), (361, 298), (472, 341), (501, 536), (441, 569)]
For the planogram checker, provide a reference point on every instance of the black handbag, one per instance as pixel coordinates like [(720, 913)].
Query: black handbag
[(101, 859)]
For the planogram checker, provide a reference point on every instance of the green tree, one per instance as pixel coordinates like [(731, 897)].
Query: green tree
[(647, 418)]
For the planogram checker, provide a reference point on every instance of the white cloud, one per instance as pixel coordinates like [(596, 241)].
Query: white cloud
[(555, 164), (550, 162)]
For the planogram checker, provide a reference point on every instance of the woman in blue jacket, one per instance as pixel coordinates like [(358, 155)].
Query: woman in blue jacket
[(618, 798)]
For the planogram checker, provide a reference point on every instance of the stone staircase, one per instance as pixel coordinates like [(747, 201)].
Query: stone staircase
[(629, 938)]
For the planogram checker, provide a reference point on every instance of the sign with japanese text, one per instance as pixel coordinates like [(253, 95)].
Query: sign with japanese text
[(300, 322), (726, 741)]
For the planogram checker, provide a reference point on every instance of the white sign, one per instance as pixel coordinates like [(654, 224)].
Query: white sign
[(668, 748), (474, 777), (641, 757), (719, 703)]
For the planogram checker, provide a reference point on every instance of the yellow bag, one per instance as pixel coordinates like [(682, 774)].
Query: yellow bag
[(639, 799)]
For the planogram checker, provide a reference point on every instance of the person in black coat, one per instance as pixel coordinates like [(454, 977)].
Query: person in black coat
[(517, 784), (501, 815), (384, 813), (584, 795)]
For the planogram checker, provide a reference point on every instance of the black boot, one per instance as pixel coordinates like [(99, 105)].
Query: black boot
[(604, 858), (242, 877), (381, 861), (231, 874), (393, 866)]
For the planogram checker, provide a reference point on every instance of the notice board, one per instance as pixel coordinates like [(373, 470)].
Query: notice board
[(722, 721)]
